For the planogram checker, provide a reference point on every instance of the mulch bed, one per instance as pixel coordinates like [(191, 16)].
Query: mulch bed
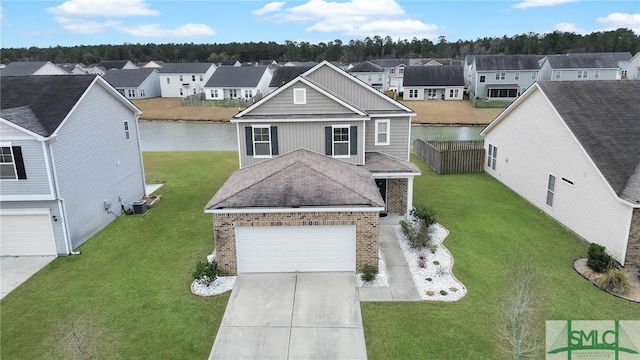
[(632, 274)]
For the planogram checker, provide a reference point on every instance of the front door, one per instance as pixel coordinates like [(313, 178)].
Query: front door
[(382, 186)]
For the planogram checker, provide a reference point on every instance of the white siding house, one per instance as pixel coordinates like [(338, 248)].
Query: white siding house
[(580, 67), (634, 65), (238, 82), (21, 68), (183, 79), (140, 83), (570, 148)]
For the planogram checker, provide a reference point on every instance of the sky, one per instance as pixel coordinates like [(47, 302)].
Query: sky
[(26, 23)]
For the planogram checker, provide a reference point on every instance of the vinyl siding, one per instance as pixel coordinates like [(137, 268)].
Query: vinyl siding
[(151, 86), (8, 133), (94, 162), (296, 135), (533, 142), (523, 82), (422, 92), (173, 88), (317, 103), (50, 69), (37, 181), (55, 211), (547, 73), (399, 138)]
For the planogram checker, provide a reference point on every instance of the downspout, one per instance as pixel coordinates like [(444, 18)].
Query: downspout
[(409, 197), (63, 210), (144, 180)]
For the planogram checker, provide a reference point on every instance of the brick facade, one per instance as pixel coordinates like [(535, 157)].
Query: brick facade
[(397, 196), (367, 232), (633, 247)]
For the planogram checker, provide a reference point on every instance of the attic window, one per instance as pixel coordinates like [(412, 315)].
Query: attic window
[(299, 96)]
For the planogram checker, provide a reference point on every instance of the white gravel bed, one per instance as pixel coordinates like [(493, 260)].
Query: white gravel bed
[(442, 278), (222, 284), (381, 279)]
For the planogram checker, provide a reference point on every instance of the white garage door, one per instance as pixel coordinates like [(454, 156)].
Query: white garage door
[(26, 234), (296, 248)]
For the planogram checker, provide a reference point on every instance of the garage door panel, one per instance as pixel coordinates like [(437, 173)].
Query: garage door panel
[(26, 235), (295, 248)]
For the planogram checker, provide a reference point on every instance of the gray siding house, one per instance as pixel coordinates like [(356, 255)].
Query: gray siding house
[(320, 158), (140, 83), (580, 67), (500, 77), (70, 161)]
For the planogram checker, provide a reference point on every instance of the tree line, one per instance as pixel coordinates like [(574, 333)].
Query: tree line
[(376, 47)]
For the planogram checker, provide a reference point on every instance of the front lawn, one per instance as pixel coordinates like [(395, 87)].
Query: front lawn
[(131, 282), (490, 226)]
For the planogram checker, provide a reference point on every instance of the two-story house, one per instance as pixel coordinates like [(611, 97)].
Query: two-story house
[(238, 82), (395, 72), (434, 82), (372, 74), (320, 158), (183, 79), (580, 67), (140, 83), (500, 77), (70, 161), (633, 68)]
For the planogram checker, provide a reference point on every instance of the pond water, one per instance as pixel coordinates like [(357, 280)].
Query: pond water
[(189, 136)]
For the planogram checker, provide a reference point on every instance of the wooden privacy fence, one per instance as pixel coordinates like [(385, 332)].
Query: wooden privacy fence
[(451, 157)]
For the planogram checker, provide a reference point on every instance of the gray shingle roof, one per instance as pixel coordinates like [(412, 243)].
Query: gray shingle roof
[(301, 178), (113, 64), (388, 63), (183, 68), (506, 62), (127, 77), (620, 55), (284, 74), (21, 68), (236, 76), (445, 75), (604, 117), (40, 103), (583, 61), (366, 66), (379, 162)]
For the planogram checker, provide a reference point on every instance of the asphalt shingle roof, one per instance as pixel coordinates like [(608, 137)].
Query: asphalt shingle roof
[(583, 61), (605, 118), (445, 75), (388, 63), (127, 77), (183, 68), (366, 66), (40, 103), (379, 162), (301, 178), (113, 64), (236, 76), (21, 68), (284, 74), (506, 62)]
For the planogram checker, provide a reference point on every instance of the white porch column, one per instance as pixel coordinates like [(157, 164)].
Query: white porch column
[(409, 196)]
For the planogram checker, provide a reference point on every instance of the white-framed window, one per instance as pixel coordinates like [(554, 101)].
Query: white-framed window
[(194, 90), (168, 81), (181, 92), (7, 163), (557, 74), (299, 96), (248, 93), (127, 134), (482, 78), (413, 93), (214, 93), (596, 74), (534, 75), (582, 74), (201, 77), (261, 140), (551, 188), (369, 78), (233, 93), (502, 93), (379, 77), (516, 75), (492, 157), (181, 78), (453, 93), (501, 75), (193, 78), (131, 93), (400, 70), (341, 145), (382, 132), (142, 93), (431, 94), (392, 71)]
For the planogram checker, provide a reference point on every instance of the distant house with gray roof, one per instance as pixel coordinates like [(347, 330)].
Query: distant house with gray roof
[(395, 72), (284, 74), (140, 83), (233, 82), (500, 77), (440, 82), (183, 79), (22, 68), (571, 149), (581, 66), (372, 74), (117, 64)]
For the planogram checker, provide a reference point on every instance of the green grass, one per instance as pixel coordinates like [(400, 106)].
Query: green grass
[(489, 227), (132, 279)]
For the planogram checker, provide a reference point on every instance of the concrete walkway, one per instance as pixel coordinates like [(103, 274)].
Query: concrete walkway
[(14, 270), (401, 285)]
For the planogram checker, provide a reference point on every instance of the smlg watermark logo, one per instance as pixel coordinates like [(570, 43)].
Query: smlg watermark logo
[(593, 340)]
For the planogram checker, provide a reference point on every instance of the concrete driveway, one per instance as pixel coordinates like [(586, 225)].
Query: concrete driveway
[(14, 270), (292, 316)]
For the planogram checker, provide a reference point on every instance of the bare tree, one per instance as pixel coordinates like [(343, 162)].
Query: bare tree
[(517, 327), (81, 339)]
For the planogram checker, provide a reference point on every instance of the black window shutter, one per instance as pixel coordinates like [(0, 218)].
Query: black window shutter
[(249, 136), (353, 140), (328, 140), (274, 140), (17, 159)]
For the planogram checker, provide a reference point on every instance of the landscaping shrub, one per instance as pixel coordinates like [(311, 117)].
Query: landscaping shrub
[(369, 272), (206, 272), (443, 293), (422, 263), (615, 280), (417, 233), (425, 214), (598, 259)]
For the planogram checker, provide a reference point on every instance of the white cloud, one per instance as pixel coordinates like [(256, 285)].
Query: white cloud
[(537, 3), (81, 26), (621, 20), (269, 8), (103, 8), (354, 18), (155, 30), (569, 27)]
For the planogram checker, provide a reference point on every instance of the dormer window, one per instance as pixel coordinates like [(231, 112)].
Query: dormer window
[(299, 96)]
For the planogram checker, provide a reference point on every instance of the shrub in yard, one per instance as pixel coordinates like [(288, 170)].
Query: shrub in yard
[(615, 280), (369, 272), (443, 293), (598, 259), (206, 272), (429, 279), (436, 262), (425, 214), (422, 263), (417, 233)]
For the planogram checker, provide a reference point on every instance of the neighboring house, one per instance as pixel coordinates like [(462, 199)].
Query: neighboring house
[(582, 66), (140, 83), (320, 158), (571, 149), (284, 74), (441, 82), (230, 63), (300, 63), (623, 59), (232, 82), (395, 72), (70, 161), (95, 70), (182, 79), (500, 77), (267, 62), (117, 64), (435, 62), (634, 64), (372, 74), (75, 69), (22, 68), (154, 64)]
